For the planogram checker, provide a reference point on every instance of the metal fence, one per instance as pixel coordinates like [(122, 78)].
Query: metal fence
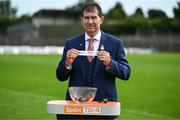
[(161, 42), (158, 42)]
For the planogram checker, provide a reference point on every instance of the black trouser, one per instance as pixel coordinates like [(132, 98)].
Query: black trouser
[(84, 117)]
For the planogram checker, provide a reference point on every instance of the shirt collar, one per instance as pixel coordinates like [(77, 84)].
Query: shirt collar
[(96, 37)]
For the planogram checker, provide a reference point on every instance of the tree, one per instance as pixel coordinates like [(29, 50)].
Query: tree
[(4, 22), (138, 13), (78, 7), (6, 9), (13, 12), (176, 11), (156, 14), (117, 12)]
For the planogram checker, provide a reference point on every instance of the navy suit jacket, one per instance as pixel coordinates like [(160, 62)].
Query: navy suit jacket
[(103, 79)]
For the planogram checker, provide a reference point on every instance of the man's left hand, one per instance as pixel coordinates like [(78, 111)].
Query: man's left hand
[(104, 56)]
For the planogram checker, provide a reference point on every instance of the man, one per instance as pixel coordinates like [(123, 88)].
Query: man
[(94, 71)]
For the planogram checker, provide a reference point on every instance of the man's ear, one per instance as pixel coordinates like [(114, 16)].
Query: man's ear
[(81, 19), (102, 19)]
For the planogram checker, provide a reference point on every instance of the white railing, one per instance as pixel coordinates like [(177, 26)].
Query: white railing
[(57, 50)]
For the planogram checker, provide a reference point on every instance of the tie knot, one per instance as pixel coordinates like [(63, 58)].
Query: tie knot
[(91, 40)]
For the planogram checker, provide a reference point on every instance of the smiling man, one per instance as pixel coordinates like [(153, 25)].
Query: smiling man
[(98, 70)]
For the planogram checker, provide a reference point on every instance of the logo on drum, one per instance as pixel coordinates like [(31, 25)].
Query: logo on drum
[(82, 110)]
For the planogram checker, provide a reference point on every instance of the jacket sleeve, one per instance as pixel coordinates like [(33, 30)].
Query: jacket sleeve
[(119, 66), (62, 73)]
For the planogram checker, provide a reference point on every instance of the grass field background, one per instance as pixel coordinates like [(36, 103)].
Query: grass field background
[(27, 82)]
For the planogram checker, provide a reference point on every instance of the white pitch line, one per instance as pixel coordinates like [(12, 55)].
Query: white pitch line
[(23, 93), (150, 114), (126, 110)]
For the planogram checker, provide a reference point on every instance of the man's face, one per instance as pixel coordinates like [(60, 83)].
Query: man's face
[(91, 22)]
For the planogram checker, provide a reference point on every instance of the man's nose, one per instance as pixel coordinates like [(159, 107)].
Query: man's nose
[(90, 20)]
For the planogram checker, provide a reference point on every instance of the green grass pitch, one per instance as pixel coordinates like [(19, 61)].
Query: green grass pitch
[(27, 82)]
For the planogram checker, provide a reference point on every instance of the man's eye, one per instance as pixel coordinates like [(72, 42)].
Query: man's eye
[(86, 18), (93, 17)]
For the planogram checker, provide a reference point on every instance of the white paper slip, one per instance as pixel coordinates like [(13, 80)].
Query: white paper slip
[(87, 53)]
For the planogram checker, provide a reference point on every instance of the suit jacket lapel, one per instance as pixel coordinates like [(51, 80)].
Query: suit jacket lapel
[(82, 59)]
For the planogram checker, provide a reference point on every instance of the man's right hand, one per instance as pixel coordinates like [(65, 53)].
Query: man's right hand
[(71, 55)]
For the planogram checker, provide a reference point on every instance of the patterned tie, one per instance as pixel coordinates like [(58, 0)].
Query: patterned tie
[(90, 48)]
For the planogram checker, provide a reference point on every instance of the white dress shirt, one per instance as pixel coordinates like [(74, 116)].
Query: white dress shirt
[(96, 41)]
